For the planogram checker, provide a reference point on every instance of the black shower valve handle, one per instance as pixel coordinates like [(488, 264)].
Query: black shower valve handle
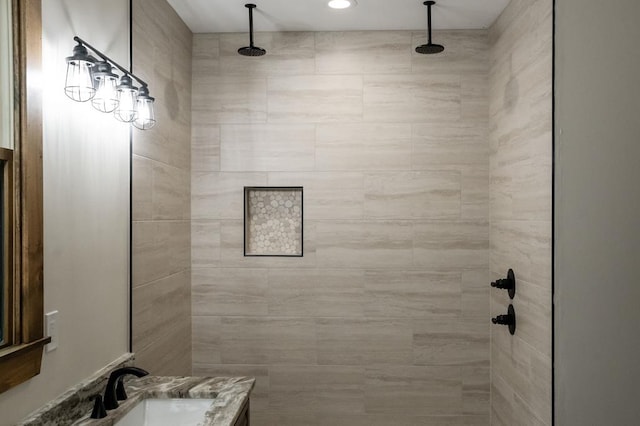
[(508, 283), (502, 320), (509, 319)]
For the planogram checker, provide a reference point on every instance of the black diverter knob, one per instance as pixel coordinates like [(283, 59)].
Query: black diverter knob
[(508, 283), (98, 408), (509, 319)]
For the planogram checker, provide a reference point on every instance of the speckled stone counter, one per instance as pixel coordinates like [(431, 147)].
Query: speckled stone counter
[(74, 406), (230, 394)]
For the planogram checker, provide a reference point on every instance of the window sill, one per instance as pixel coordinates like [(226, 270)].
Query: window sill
[(20, 363)]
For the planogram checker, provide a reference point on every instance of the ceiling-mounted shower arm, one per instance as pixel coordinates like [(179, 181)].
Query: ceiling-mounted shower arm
[(429, 4), (250, 6), (430, 47), (251, 50)]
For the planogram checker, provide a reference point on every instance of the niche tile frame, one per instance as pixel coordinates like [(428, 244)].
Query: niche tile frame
[(283, 212)]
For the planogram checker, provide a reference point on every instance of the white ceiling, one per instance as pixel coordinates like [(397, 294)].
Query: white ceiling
[(213, 16)]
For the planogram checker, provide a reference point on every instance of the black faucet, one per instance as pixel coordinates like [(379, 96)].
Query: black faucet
[(110, 397)]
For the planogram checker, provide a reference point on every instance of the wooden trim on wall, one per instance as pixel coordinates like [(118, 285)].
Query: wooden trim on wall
[(31, 196), (22, 360)]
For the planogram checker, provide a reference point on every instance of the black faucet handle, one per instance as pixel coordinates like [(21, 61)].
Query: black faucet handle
[(99, 411), (121, 394)]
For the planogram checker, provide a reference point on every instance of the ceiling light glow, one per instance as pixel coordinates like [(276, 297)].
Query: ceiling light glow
[(341, 4)]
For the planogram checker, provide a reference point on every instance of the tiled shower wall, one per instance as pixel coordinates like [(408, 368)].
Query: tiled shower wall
[(385, 320), (161, 193), (521, 153)]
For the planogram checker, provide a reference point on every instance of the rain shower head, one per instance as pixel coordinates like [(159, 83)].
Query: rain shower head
[(251, 50), (429, 48)]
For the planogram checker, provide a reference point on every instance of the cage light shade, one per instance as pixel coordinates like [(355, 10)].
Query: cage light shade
[(79, 82), (105, 82), (145, 118), (126, 93)]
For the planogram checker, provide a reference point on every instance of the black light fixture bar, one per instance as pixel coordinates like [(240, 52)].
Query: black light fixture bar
[(111, 61)]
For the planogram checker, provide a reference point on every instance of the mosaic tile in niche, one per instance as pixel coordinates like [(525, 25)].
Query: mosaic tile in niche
[(273, 221)]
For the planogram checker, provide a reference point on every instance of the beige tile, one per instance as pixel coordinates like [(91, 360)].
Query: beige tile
[(317, 389), (160, 249), (451, 342), (412, 195), (402, 293), (205, 243), (412, 98), (170, 193), (476, 295), (451, 245), (524, 246), (260, 393), (232, 249), (206, 54), (218, 195), (336, 195), (475, 193), (142, 188), (205, 331), (224, 292), (328, 419), (476, 391), (363, 52), (443, 144), (364, 244), (527, 373), (475, 97), (359, 146), (326, 293), (230, 98), (205, 146), (280, 418), (267, 147), (364, 341), (170, 355), (314, 99), (466, 51), (288, 53), (420, 391), (162, 323), (267, 340)]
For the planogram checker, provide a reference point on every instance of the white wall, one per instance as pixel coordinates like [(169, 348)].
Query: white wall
[(597, 203), (86, 210)]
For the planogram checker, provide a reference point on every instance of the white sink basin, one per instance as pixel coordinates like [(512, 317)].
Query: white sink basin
[(167, 412)]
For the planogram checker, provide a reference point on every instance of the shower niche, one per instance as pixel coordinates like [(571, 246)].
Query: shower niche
[(273, 221)]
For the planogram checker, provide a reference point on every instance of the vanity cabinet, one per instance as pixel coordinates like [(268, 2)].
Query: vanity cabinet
[(243, 418)]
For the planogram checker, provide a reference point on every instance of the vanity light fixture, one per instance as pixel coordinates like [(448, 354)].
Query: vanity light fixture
[(92, 79), (342, 4)]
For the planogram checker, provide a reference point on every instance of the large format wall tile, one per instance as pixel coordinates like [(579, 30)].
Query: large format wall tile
[(412, 98), (161, 260), (334, 195), (230, 98), (363, 52), (314, 98), (412, 195), (520, 106), (370, 146), (267, 147), (385, 318), (288, 53)]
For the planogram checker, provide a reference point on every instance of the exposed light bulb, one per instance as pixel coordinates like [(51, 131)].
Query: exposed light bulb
[(144, 110), (126, 92), (106, 97), (79, 82)]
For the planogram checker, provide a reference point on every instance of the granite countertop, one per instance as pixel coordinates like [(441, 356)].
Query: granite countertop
[(229, 393)]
